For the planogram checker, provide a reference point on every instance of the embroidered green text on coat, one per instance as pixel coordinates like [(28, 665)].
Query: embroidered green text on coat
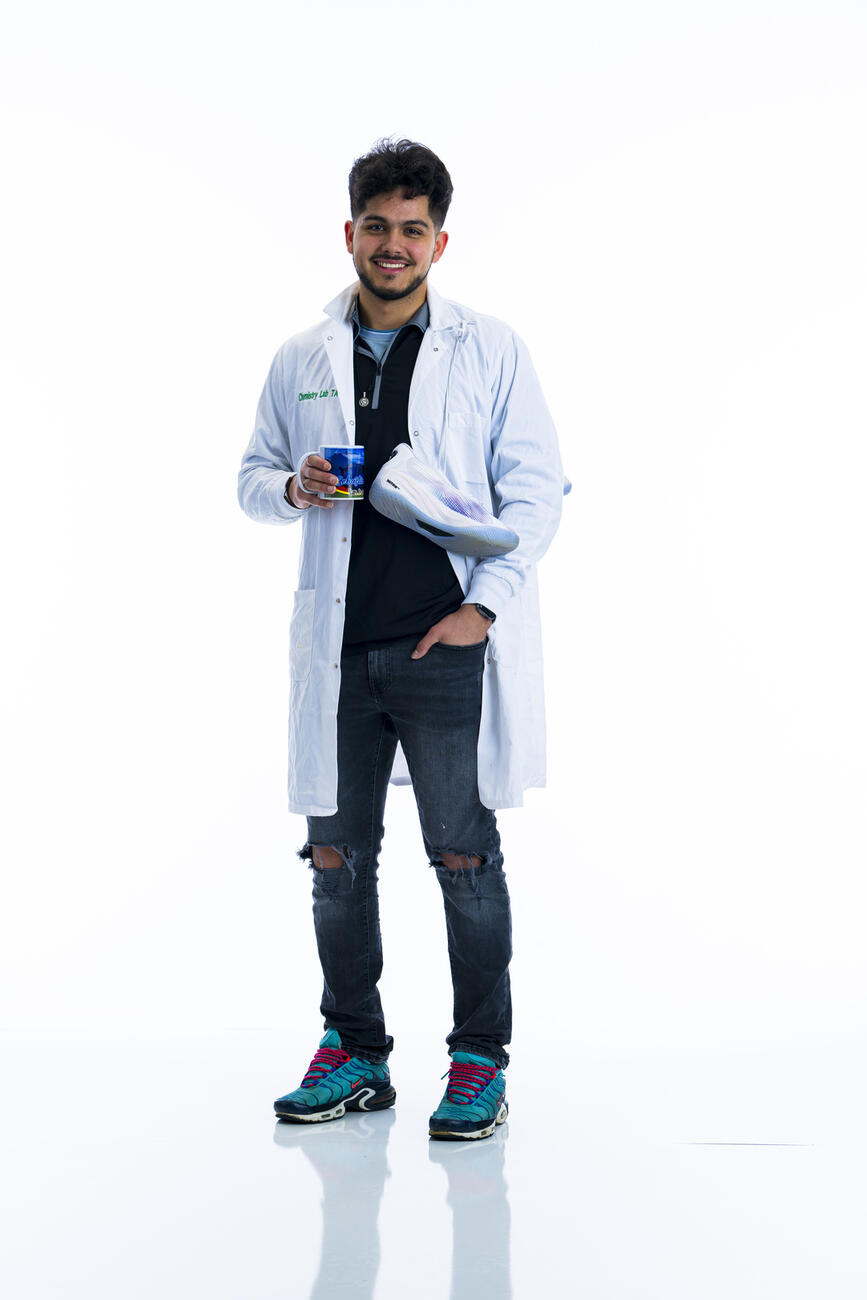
[(311, 397)]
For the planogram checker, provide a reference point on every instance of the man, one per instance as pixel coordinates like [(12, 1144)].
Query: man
[(398, 647)]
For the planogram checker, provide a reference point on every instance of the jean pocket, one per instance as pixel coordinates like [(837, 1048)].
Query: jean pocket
[(301, 635), (474, 645)]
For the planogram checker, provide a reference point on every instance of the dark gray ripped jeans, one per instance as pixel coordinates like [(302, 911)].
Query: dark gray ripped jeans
[(432, 706)]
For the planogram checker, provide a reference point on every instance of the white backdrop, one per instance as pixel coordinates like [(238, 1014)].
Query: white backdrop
[(669, 203)]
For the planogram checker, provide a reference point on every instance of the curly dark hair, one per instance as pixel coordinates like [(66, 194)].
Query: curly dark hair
[(401, 165)]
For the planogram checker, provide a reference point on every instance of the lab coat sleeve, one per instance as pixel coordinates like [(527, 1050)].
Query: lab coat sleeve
[(267, 462), (526, 477)]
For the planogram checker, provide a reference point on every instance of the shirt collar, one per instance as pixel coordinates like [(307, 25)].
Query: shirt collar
[(420, 320)]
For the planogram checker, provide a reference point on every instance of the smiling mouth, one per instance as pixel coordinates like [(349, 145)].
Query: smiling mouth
[(390, 266)]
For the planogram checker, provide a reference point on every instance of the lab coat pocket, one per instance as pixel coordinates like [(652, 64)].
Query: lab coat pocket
[(301, 636), (470, 423)]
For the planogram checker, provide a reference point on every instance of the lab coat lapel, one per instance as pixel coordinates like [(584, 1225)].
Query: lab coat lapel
[(338, 346), (431, 366)]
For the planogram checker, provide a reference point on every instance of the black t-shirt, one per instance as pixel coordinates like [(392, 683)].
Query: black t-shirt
[(399, 584)]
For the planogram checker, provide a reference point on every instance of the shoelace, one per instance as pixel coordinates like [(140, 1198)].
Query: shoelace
[(466, 1081), (325, 1060)]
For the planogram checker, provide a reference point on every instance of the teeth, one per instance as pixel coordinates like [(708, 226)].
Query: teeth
[(391, 266)]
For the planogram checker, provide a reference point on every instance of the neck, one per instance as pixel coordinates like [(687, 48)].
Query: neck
[(383, 314)]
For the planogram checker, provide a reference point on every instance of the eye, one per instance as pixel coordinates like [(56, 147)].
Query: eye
[(414, 233)]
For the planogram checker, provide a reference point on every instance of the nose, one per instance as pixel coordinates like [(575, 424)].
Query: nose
[(391, 243)]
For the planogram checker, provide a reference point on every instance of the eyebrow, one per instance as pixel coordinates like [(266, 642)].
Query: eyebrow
[(373, 216)]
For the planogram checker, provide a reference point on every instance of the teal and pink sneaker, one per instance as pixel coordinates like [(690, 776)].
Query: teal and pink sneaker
[(336, 1082), (474, 1101)]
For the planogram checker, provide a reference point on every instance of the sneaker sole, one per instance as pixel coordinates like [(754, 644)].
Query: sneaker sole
[(365, 1099), (450, 1135)]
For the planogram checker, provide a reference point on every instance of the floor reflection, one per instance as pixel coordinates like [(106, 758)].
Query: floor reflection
[(481, 1220), (349, 1156)]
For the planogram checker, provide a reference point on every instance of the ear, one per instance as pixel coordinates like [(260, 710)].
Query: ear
[(440, 245), (349, 232)]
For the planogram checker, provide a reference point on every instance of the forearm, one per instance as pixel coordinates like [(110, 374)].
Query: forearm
[(261, 494), (526, 479), (494, 581)]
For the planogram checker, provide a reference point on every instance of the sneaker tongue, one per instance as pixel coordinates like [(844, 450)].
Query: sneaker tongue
[(331, 1039), (469, 1058)]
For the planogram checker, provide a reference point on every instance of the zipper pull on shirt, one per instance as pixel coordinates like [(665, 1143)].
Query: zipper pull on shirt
[(363, 400)]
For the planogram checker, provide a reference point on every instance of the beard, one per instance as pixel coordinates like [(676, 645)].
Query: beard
[(389, 295)]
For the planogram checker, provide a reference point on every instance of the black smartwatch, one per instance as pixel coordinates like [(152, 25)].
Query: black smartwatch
[(287, 498), (485, 612)]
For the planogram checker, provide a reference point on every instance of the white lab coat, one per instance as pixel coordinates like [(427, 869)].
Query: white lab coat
[(476, 411)]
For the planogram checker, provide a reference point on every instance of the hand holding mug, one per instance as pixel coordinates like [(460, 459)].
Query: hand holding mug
[(312, 479)]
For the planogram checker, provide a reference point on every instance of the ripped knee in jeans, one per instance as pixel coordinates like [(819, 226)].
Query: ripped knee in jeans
[(459, 861), (327, 857), (482, 872)]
